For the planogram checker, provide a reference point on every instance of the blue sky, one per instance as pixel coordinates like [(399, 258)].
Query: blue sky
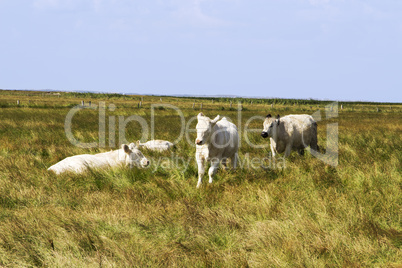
[(321, 49)]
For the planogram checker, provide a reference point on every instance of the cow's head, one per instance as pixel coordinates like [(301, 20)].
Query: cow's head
[(270, 125), (135, 157), (204, 128)]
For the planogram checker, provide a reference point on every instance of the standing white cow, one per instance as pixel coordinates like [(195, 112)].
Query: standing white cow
[(128, 155), (156, 145), (217, 140), (291, 132)]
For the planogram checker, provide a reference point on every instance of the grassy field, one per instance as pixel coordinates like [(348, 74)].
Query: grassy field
[(303, 213)]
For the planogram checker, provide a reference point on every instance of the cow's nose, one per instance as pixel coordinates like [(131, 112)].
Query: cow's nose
[(264, 134), (199, 142)]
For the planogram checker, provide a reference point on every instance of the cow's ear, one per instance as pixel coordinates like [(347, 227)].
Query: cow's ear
[(268, 116), (132, 146), (216, 119), (200, 115), (126, 148), (138, 143), (278, 118)]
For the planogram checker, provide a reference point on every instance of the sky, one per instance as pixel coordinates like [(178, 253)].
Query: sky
[(320, 49)]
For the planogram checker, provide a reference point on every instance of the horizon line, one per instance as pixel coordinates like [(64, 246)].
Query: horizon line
[(200, 96)]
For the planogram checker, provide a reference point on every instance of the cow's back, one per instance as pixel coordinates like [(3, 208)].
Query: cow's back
[(159, 145), (299, 129), (227, 138), (79, 163), (76, 163)]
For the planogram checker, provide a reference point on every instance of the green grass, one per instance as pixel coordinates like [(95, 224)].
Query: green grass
[(306, 214)]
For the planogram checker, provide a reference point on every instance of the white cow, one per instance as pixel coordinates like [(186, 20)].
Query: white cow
[(128, 155), (216, 141), (156, 145), (291, 132)]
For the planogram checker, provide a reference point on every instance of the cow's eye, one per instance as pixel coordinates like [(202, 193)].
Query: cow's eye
[(270, 126)]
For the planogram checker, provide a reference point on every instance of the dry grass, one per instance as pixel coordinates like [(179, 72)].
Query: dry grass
[(307, 214)]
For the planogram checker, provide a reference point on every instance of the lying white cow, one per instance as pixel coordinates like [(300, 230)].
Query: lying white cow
[(291, 132), (156, 145), (216, 141), (128, 155)]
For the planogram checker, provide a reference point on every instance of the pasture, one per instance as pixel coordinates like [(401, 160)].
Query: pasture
[(295, 212)]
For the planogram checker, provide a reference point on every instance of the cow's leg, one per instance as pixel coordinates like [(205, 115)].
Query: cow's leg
[(233, 160), (288, 149), (224, 163), (314, 141), (213, 168), (273, 150), (314, 144), (201, 169)]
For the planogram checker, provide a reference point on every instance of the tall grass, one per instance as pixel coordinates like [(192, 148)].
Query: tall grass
[(306, 214)]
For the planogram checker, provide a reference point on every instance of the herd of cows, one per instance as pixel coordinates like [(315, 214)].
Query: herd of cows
[(217, 141)]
